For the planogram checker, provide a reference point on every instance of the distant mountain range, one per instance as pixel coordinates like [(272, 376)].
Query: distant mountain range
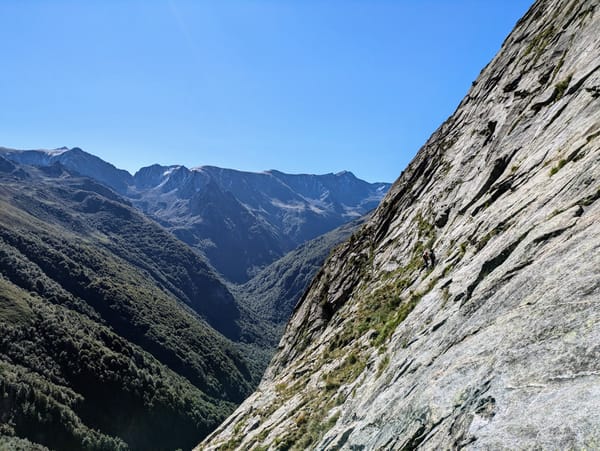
[(241, 221)]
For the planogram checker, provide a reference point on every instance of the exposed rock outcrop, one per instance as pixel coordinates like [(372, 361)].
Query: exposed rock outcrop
[(497, 345)]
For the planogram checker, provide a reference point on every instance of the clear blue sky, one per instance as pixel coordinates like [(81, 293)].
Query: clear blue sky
[(310, 86)]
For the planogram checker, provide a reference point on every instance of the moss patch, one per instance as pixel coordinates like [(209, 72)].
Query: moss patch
[(558, 166), (561, 87), (540, 41)]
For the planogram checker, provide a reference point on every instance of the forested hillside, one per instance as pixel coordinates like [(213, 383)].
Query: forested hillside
[(113, 333)]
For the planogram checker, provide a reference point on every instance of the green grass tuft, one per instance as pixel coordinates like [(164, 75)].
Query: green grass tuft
[(558, 166)]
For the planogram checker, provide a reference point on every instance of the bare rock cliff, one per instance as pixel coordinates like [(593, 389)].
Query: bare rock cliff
[(497, 346)]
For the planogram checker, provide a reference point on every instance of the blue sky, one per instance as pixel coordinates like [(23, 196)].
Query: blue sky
[(310, 86)]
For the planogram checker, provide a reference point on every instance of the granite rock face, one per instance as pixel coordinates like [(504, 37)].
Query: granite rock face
[(497, 346)]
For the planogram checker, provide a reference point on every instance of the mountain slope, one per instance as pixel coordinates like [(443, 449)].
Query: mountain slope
[(199, 212), (276, 289), (497, 345), (109, 324)]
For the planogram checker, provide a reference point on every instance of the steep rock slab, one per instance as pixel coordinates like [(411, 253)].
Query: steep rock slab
[(496, 346)]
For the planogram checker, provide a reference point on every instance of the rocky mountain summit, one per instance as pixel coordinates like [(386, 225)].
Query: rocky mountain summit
[(73, 159), (496, 346)]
